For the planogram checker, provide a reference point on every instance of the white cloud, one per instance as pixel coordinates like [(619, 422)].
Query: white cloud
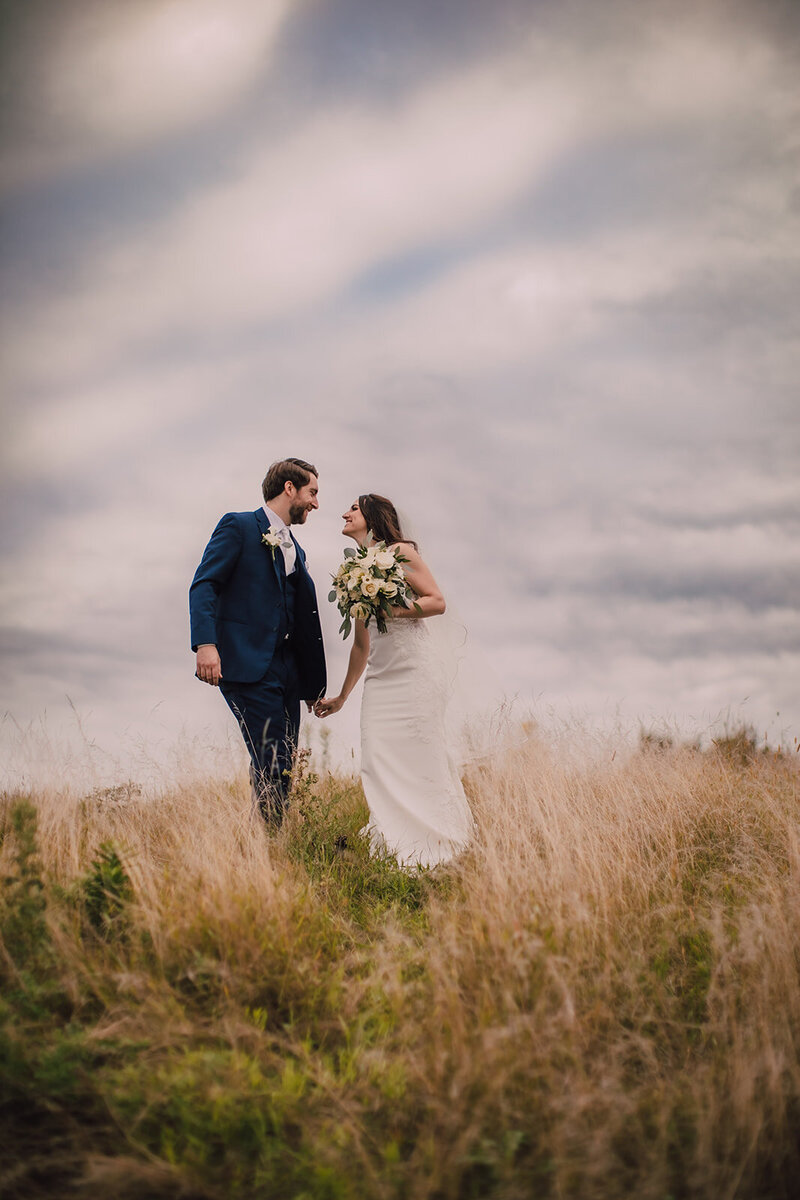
[(306, 216), (117, 75), (178, 358)]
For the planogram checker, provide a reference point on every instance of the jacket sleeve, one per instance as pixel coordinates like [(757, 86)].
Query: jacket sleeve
[(216, 566)]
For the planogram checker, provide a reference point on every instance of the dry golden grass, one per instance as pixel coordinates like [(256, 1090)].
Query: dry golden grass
[(602, 999)]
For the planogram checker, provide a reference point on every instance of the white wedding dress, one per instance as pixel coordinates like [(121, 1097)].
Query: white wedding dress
[(418, 810)]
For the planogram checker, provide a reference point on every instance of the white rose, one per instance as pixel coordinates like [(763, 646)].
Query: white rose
[(370, 587), (388, 587), (385, 560), (359, 612)]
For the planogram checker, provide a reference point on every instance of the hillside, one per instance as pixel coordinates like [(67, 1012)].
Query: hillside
[(601, 1000)]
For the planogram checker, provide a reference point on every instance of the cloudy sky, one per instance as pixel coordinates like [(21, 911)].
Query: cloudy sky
[(530, 267)]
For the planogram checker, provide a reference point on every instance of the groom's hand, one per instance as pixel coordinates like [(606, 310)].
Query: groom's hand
[(208, 665)]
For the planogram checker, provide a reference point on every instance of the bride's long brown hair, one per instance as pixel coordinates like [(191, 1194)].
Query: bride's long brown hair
[(382, 519)]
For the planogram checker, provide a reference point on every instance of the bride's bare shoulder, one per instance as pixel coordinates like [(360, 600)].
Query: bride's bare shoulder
[(407, 549)]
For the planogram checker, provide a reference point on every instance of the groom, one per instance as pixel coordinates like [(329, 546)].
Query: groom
[(255, 625)]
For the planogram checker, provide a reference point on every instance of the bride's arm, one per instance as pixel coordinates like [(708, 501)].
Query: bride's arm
[(355, 668), (430, 601)]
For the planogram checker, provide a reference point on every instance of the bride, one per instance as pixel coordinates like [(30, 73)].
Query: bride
[(418, 810)]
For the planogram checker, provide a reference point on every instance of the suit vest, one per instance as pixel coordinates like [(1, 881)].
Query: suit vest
[(288, 597)]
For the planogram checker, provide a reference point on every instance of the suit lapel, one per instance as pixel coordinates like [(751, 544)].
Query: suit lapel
[(298, 553), (263, 524), (300, 563)]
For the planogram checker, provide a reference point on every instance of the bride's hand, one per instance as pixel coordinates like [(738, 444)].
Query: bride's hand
[(324, 707), (414, 609)]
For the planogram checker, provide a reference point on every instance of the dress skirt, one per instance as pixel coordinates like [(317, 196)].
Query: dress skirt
[(418, 809)]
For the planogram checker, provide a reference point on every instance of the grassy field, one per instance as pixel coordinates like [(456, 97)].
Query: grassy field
[(601, 1000)]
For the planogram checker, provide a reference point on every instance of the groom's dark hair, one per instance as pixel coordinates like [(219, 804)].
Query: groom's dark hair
[(286, 470)]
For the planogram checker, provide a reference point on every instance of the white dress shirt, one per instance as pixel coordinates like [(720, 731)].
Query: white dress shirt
[(276, 523)]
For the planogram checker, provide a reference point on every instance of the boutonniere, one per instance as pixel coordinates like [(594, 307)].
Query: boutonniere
[(273, 540)]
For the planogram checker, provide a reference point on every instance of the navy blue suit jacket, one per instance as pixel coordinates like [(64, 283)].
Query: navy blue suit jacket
[(236, 599)]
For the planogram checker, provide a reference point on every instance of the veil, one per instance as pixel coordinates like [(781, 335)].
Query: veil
[(480, 713)]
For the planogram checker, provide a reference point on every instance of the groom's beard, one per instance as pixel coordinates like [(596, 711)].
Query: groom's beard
[(297, 514)]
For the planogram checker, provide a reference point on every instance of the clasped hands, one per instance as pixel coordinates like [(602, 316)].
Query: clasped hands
[(325, 706)]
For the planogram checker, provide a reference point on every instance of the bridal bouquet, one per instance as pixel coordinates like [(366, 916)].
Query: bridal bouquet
[(368, 583)]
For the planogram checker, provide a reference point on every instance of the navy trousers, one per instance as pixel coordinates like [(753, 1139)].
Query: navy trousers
[(268, 713)]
